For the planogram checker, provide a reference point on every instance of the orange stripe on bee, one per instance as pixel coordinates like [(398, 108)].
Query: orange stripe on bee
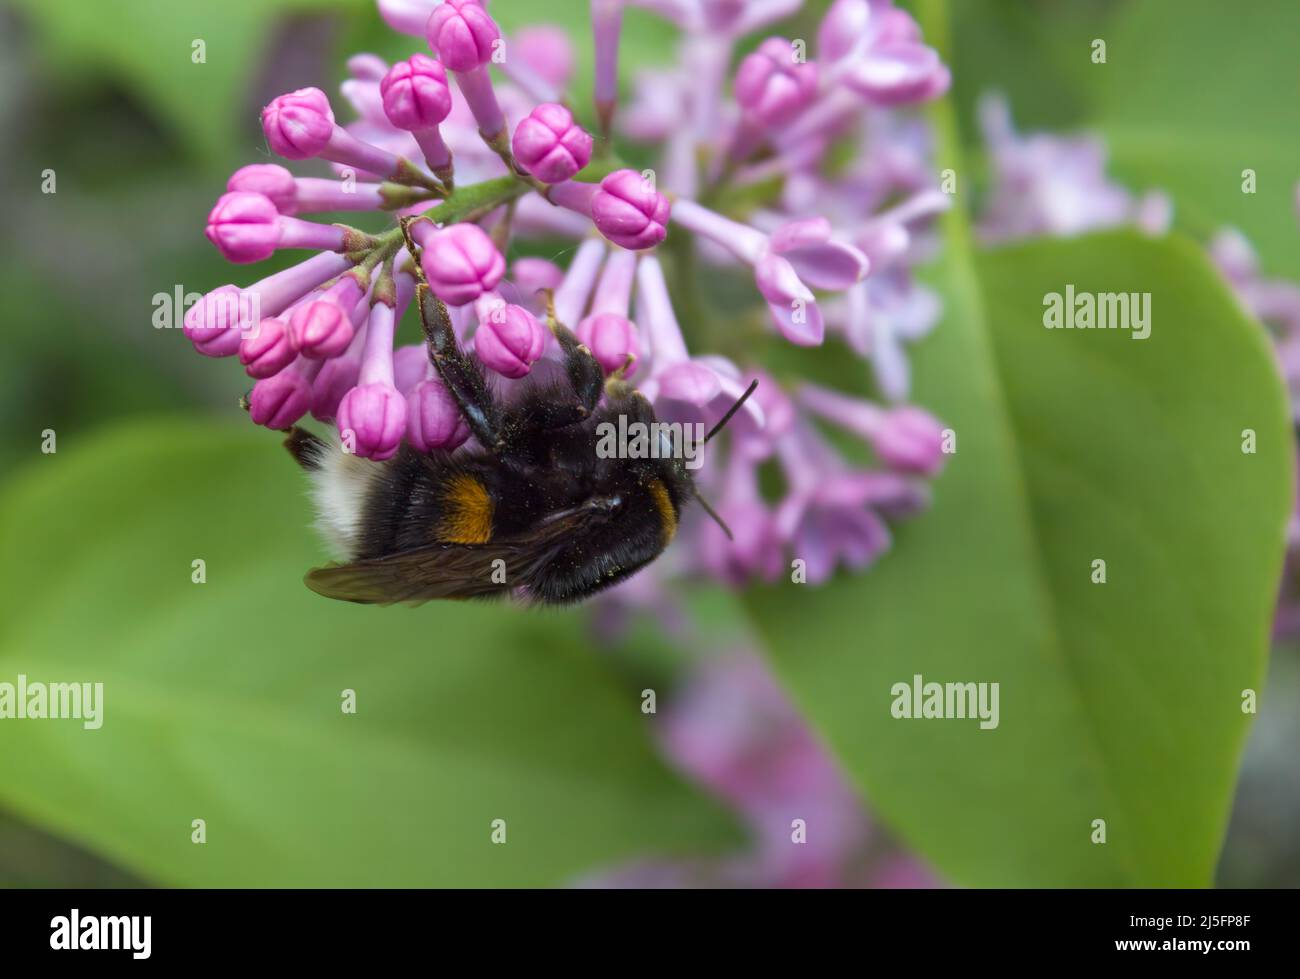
[(467, 512), (664, 504)]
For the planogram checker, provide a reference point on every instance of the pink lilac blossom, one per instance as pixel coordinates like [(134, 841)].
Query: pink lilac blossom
[(773, 85), (473, 145), (416, 98), (606, 329), (1046, 184), (732, 730), (827, 257), (1276, 303), (509, 339), (549, 145)]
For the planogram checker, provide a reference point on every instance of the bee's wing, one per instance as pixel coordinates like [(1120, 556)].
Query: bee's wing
[(442, 570), (436, 571)]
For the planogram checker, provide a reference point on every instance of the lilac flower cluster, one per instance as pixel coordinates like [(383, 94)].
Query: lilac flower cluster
[(1276, 303), (476, 165), (735, 733), (1045, 184)]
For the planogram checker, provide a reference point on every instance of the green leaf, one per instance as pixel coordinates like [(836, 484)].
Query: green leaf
[(223, 700), (1118, 701), (147, 47), (1190, 95), (1240, 63)]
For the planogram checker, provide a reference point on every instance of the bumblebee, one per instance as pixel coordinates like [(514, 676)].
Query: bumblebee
[(533, 509)]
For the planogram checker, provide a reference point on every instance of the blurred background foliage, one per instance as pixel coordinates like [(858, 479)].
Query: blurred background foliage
[(141, 140)]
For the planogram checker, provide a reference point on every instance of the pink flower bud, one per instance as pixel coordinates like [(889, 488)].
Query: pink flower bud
[(269, 179), (546, 50), (898, 72), (754, 549), (410, 366), (336, 378), (460, 262), (778, 411), (509, 340), (462, 34), (911, 440), (628, 210), (321, 329), (216, 322), (298, 125), (415, 93), (792, 304), (279, 401), (550, 145), (612, 339), (905, 438), (433, 419), (772, 86), (245, 227), (689, 382), (841, 28), (897, 25), (367, 67), (268, 349), (531, 274), (406, 16), (375, 414), (884, 243)]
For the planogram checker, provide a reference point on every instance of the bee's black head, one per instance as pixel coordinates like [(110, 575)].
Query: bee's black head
[(631, 509), (629, 518)]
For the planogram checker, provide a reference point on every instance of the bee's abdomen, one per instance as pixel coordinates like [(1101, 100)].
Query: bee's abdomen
[(466, 510), (421, 500)]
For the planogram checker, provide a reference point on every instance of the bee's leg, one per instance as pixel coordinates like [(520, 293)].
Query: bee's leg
[(584, 373), (306, 448), (460, 372)]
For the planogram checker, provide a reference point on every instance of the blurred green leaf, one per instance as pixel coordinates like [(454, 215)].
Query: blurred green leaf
[(32, 858), (222, 700), (1036, 52), (1190, 95), (147, 46), (1118, 701)]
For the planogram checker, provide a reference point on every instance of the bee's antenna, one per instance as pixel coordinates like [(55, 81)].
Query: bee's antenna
[(548, 299), (727, 417), (616, 385), (621, 370), (714, 513)]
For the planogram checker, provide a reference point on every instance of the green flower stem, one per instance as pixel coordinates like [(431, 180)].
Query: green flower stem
[(477, 200), (465, 204)]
